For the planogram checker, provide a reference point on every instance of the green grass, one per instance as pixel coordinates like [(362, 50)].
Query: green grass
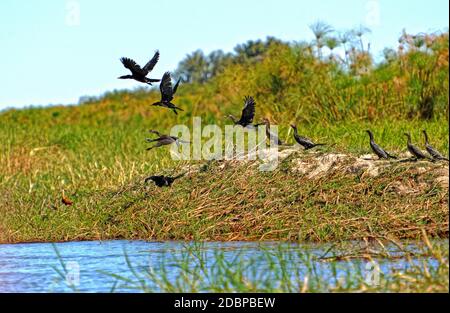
[(101, 166)]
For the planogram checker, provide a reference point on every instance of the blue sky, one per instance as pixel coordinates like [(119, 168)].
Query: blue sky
[(50, 54)]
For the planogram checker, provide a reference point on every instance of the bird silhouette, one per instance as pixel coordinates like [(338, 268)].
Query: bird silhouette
[(380, 152), (247, 115), (416, 152), (167, 93), (163, 181), (432, 151), (163, 140), (272, 137), (305, 142), (138, 73)]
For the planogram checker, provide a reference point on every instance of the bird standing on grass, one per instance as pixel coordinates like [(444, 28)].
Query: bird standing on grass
[(382, 154), (416, 152), (65, 200), (163, 181), (303, 141), (247, 115), (432, 151), (163, 140), (167, 93), (138, 73), (272, 137)]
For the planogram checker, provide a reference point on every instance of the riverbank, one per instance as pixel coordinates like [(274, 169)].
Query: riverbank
[(310, 196)]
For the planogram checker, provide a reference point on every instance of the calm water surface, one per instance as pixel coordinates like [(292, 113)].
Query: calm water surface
[(35, 267)]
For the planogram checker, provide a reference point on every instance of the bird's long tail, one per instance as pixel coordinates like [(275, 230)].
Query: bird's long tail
[(175, 108), (391, 156), (152, 80)]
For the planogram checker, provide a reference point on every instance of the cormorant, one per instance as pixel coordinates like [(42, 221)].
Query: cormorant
[(382, 154), (272, 137), (248, 113), (416, 152), (305, 142), (167, 93), (432, 151), (163, 181), (138, 73), (163, 140)]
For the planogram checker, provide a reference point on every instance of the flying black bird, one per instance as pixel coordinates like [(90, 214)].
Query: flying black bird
[(416, 152), (432, 151), (272, 137), (167, 93), (382, 154), (138, 73), (163, 140), (305, 142), (248, 113), (163, 181)]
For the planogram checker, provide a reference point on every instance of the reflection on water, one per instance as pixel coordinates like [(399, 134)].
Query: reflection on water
[(35, 267)]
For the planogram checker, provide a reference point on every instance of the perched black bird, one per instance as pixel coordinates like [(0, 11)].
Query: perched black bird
[(305, 142), (416, 152), (382, 154), (163, 181), (138, 73), (167, 93), (272, 137), (248, 113), (432, 151), (163, 140)]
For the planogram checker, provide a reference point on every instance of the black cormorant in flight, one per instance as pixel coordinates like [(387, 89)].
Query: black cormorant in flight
[(138, 73), (167, 92)]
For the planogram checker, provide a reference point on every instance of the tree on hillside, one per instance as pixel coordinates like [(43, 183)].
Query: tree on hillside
[(193, 68), (254, 49), (217, 61)]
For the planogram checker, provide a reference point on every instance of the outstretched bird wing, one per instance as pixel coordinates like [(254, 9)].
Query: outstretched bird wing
[(166, 87), (151, 64), (176, 86), (155, 132), (132, 66), (248, 112)]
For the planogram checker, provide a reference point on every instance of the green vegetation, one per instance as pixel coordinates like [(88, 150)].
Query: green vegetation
[(94, 153)]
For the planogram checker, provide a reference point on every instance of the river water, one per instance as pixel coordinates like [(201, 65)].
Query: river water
[(105, 266)]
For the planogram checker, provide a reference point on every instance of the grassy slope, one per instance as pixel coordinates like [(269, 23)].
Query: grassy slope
[(95, 154)]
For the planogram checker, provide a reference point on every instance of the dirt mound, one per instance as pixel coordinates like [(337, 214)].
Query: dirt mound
[(316, 164)]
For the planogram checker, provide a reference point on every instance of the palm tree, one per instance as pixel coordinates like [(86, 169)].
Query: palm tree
[(217, 61), (193, 68), (320, 30)]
